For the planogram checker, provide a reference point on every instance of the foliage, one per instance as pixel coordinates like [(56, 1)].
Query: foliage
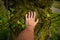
[(4, 17), (12, 19), (57, 0), (57, 4)]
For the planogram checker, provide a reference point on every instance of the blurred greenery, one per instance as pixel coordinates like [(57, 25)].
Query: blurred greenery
[(12, 19), (57, 0), (57, 4), (4, 17)]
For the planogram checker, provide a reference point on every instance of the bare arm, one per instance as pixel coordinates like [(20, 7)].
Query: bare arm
[(28, 33)]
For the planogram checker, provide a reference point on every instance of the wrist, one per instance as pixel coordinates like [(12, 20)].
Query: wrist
[(30, 28)]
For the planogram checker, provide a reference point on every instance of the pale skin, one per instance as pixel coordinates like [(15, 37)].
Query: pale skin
[(30, 20), (28, 33)]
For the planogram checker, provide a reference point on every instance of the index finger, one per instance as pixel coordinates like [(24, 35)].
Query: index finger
[(34, 14), (26, 16)]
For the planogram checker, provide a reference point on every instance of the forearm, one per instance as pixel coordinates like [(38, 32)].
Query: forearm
[(27, 34)]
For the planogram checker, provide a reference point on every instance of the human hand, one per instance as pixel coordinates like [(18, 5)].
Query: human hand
[(30, 20)]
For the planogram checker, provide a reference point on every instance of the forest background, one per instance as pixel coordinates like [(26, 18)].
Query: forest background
[(12, 20)]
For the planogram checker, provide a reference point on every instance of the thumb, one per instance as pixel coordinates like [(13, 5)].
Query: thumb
[(36, 21)]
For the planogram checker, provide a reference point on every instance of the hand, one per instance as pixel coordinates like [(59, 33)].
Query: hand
[(30, 20)]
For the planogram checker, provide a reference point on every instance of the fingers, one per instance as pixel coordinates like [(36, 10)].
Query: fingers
[(26, 16), (31, 15), (34, 14), (36, 21)]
